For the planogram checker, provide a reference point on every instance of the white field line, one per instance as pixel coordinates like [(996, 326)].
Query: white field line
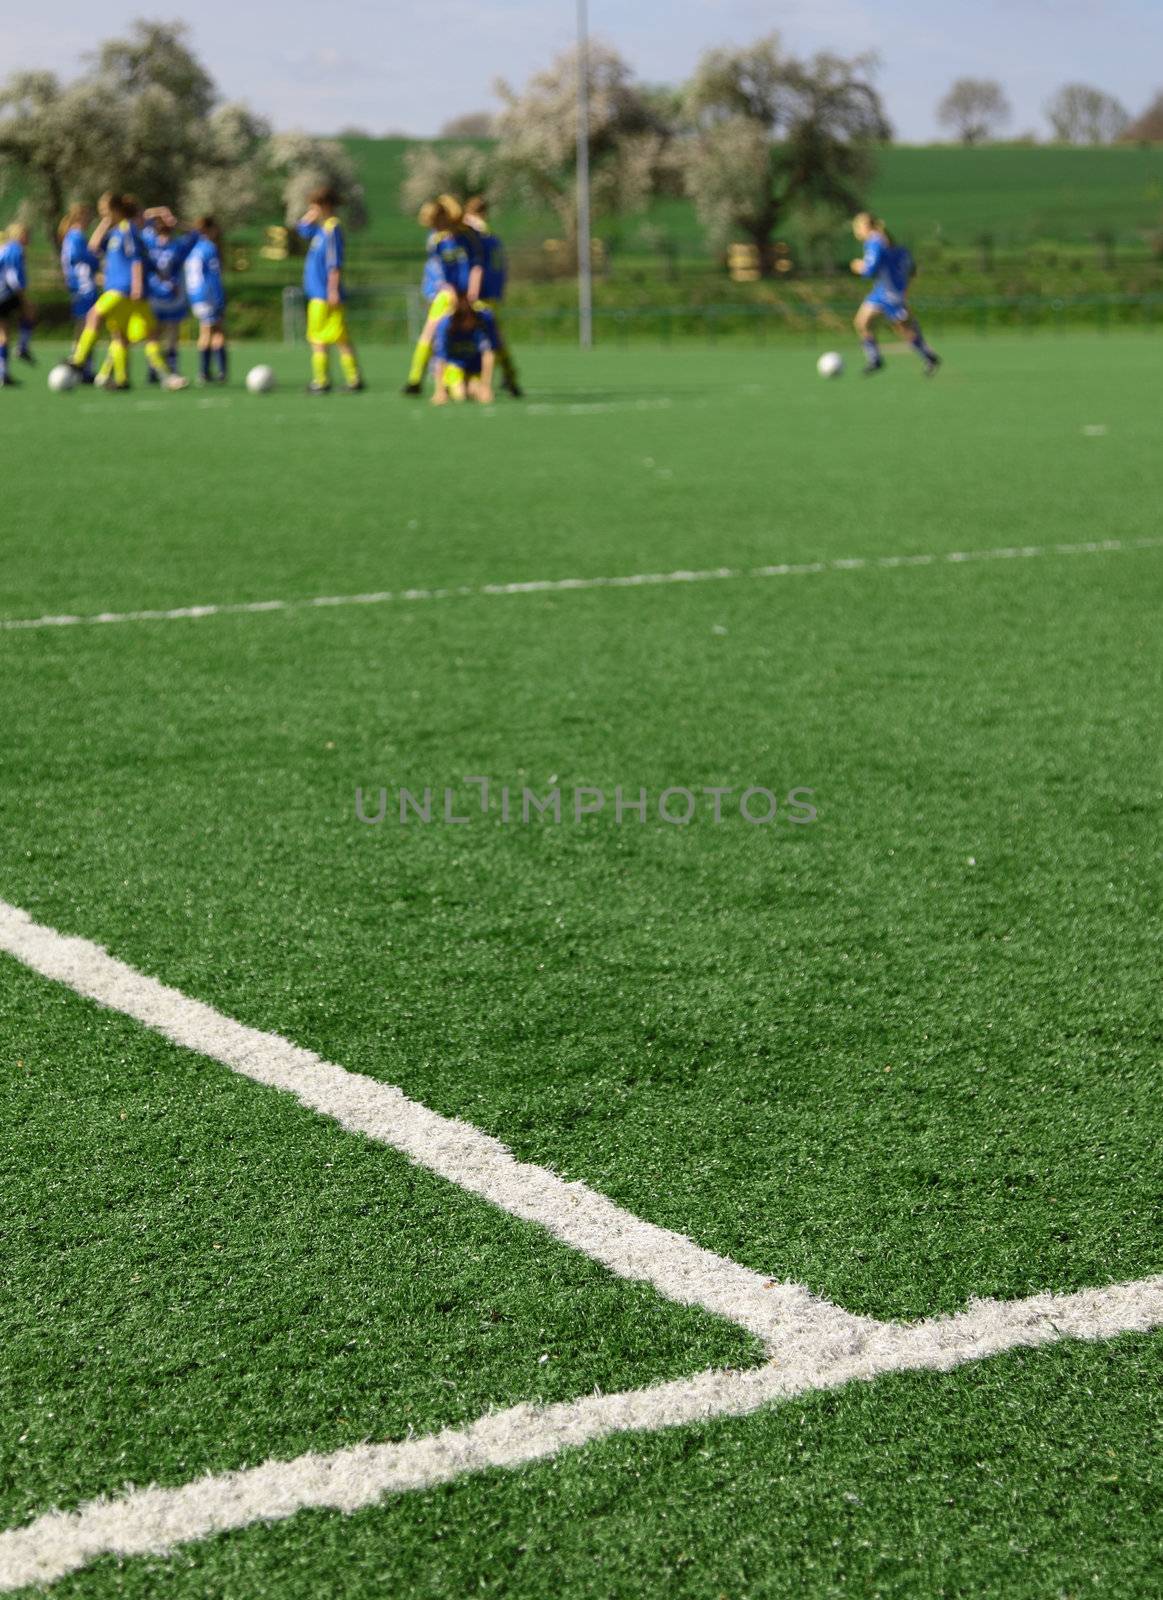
[(155, 1520), (785, 1316), (635, 580)]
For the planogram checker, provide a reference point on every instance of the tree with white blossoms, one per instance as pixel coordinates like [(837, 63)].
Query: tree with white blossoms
[(233, 184), (297, 163), (536, 155), (432, 169), (145, 118), (770, 134)]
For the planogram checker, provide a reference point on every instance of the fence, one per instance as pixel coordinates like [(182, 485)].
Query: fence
[(394, 316)]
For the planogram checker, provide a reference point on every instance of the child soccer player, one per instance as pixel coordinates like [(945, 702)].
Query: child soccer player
[(494, 272), (452, 269), (122, 305), (891, 267), (323, 288), (207, 295), (79, 264), (13, 301), (464, 353), (167, 290)]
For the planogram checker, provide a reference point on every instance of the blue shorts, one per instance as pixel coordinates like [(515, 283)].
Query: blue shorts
[(80, 305), (888, 306), (209, 310), (167, 311)]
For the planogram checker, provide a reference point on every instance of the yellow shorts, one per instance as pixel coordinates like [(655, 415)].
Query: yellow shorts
[(133, 319), (326, 324), (443, 305)]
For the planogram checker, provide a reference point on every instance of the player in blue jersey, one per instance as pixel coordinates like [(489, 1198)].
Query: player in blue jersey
[(452, 268), (494, 274), (324, 293), (206, 293), (464, 352), (165, 281), (80, 264), (14, 307), (891, 268), (122, 305)]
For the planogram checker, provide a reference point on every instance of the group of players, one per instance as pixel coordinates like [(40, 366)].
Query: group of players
[(138, 275)]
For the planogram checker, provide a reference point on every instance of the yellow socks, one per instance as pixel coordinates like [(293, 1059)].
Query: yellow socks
[(153, 354), (350, 366), (320, 376), (84, 346), (420, 358), (119, 354)]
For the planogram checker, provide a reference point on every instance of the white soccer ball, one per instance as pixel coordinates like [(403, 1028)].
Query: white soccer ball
[(62, 378), (830, 364), (260, 380)]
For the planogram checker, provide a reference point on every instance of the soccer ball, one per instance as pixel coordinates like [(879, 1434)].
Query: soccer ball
[(260, 380), (830, 364), (62, 378)]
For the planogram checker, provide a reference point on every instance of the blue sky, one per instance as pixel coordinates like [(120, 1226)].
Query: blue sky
[(388, 65)]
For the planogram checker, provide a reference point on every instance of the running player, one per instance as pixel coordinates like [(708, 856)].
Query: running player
[(122, 305), (207, 295), (891, 268), (464, 351), (79, 266), (13, 299), (168, 250), (323, 289), (452, 268), (494, 272)]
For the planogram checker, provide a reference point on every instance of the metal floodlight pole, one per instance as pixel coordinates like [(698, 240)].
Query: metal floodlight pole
[(585, 270)]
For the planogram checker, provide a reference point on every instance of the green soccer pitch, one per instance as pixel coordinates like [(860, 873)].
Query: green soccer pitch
[(903, 1054)]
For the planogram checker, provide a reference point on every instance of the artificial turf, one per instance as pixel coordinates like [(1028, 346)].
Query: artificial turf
[(904, 1054)]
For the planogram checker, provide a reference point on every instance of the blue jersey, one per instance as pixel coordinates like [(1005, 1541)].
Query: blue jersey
[(325, 254), (890, 265), (451, 258), (167, 291), (464, 347), (78, 264), (123, 247), (13, 275), (495, 268), (203, 273)]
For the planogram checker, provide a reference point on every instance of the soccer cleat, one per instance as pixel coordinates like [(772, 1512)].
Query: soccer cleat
[(515, 389), (174, 380), (318, 388), (873, 367), (9, 383), (99, 380), (412, 388), (26, 355), (354, 388), (931, 366), (117, 388)]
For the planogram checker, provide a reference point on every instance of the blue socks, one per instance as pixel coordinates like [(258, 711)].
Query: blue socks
[(25, 336), (926, 352), (3, 362), (871, 352), (172, 359), (204, 365), (221, 354)]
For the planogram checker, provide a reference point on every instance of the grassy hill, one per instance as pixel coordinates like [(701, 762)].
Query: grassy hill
[(1019, 194)]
